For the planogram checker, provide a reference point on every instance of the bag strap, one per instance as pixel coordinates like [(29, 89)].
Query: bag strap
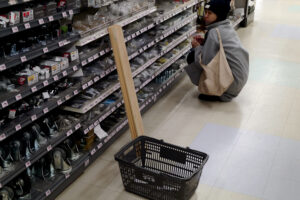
[(220, 39)]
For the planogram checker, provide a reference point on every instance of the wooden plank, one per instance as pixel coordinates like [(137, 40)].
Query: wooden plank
[(126, 81)]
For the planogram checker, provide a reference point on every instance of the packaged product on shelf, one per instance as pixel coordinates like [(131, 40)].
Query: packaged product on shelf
[(39, 11), (51, 8), (63, 61), (70, 53), (43, 73), (27, 76), (27, 15), (3, 21), (14, 17), (54, 67)]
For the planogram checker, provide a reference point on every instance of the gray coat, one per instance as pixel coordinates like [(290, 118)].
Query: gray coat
[(237, 57)]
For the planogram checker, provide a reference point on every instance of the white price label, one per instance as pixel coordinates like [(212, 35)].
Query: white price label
[(91, 127), (55, 78), (59, 102), (75, 68), (4, 104), (51, 18), (86, 131), (84, 86), (71, 12), (96, 123), (2, 67), (41, 21), (90, 59), (69, 133), (65, 73), (97, 78), (68, 97), (23, 59), (45, 50), (90, 83), (18, 127), (86, 162), (49, 148), (46, 83), (27, 164), (99, 146), (48, 192), (61, 43), (75, 92), (45, 110), (2, 136), (34, 89), (93, 151), (67, 176), (102, 52), (83, 63), (77, 126), (27, 26), (33, 117), (15, 29), (64, 14), (18, 97), (96, 56)]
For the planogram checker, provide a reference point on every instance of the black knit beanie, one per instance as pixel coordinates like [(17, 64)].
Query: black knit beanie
[(220, 7)]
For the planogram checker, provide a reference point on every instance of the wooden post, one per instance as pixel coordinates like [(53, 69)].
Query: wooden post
[(126, 81)]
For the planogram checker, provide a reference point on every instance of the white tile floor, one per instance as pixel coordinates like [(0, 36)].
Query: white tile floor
[(253, 141)]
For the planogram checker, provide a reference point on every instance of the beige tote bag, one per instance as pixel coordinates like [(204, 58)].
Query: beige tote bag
[(216, 77)]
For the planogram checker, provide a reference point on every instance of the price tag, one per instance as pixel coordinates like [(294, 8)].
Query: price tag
[(18, 97), (18, 127), (84, 86), (61, 43), (51, 18), (93, 151), (64, 14), (2, 67), (83, 63), (69, 132), (90, 59), (86, 162), (71, 12), (90, 83), (34, 89), (97, 78), (96, 123), (27, 26), (49, 148), (27, 164), (102, 52), (67, 176), (45, 50), (75, 92), (41, 21), (86, 131), (55, 78), (96, 56), (77, 126), (68, 97), (91, 127), (99, 146), (15, 29), (48, 192), (2, 136), (65, 73), (4, 104), (59, 102), (45, 110), (23, 59), (75, 68), (46, 83)]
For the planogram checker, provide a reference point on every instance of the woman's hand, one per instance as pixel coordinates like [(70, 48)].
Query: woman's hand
[(195, 43), (197, 40)]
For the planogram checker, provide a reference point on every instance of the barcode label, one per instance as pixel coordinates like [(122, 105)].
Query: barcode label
[(96, 79), (18, 127), (4, 104), (75, 92), (91, 127), (45, 50), (71, 12), (102, 53), (51, 18), (46, 83), (49, 148), (86, 162), (41, 21), (83, 63), (96, 56), (27, 25), (27, 164), (90, 59), (64, 14), (77, 126), (61, 43), (2, 136), (68, 97), (18, 97), (93, 151), (59, 102), (2, 67), (45, 110), (90, 83), (48, 192), (34, 89), (99, 146), (67, 176), (84, 86), (69, 132), (86, 131), (75, 68), (65, 73)]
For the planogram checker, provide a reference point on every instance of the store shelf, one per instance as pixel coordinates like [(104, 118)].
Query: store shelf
[(102, 32), (26, 90), (177, 10), (7, 3), (38, 51), (91, 103), (36, 22)]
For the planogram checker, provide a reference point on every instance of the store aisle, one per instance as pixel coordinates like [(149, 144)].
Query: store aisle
[(253, 141)]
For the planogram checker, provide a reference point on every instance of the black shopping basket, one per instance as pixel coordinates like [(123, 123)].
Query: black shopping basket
[(160, 171)]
